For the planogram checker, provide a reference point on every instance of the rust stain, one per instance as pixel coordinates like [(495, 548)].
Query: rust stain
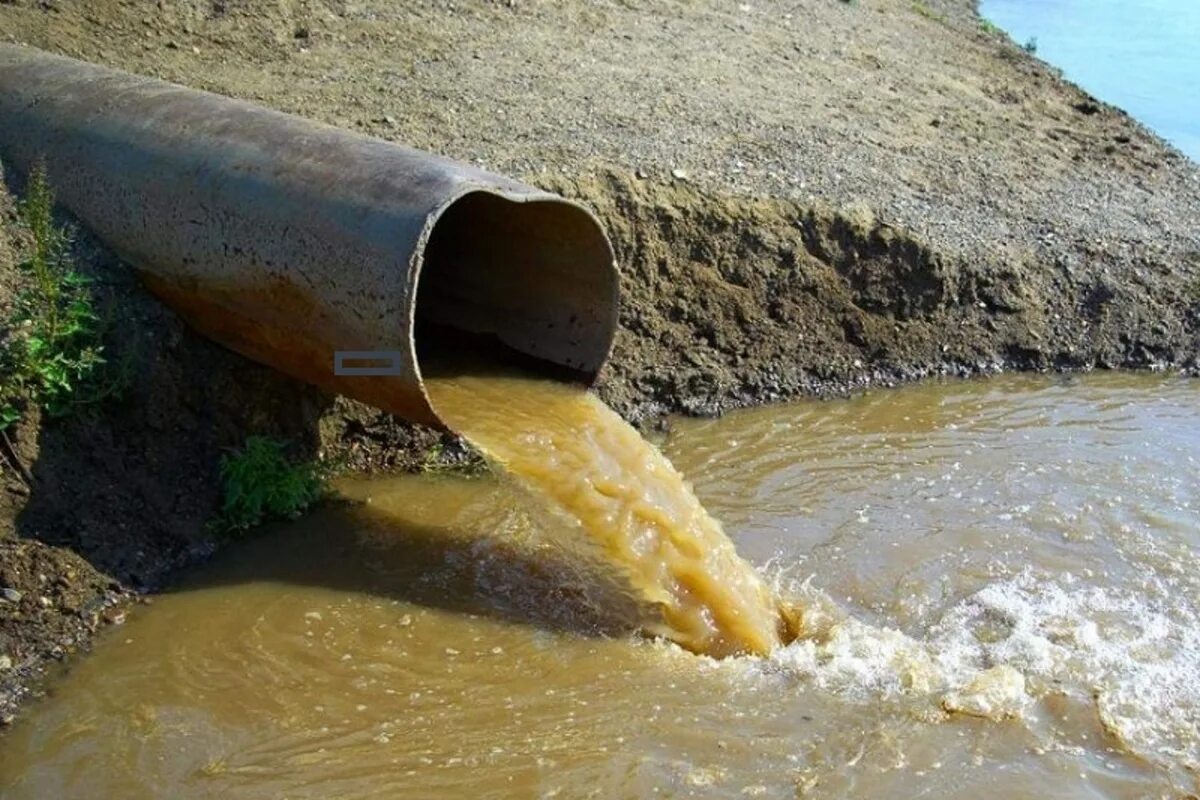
[(278, 325)]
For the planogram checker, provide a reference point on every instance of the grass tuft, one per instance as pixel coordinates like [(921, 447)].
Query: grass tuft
[(260, 483), (925, 11), (50, 344), (990, 27)]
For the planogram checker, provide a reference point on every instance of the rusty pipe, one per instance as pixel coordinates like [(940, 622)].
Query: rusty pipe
[(303, 246)]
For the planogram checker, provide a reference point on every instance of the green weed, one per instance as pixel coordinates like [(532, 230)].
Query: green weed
[(260, 483), (50, 347), (925, 11), (450, 458), (431, 460), (990, 27), (1030, 45)]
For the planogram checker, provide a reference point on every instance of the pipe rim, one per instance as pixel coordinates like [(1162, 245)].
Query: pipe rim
[(418, 267)]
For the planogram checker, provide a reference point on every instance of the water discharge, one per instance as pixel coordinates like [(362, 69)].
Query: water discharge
[(620, 492), (1000, 582)]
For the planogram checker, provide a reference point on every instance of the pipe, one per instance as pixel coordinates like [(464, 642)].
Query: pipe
[(303, 246)]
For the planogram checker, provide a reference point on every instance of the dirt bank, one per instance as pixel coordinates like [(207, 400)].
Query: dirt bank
[(805, 197)]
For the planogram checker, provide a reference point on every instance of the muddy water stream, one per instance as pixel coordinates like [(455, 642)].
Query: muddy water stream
[(619, 505), (1002, 578)]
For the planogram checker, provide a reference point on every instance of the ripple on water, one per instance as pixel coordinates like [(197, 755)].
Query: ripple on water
[(1000, 580)]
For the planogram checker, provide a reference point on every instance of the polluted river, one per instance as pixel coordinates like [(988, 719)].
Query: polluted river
[(947, 589)]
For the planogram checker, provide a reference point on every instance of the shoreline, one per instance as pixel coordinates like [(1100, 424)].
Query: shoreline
[(807, 202)]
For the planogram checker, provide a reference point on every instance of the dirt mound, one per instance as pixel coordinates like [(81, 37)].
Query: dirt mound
[(731, 301)]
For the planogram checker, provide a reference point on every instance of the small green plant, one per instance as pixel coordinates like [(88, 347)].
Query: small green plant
[(1030, 45), (431, 460), (990, 27), (445, 455), (261, 483), (925, 11), (50, 345)]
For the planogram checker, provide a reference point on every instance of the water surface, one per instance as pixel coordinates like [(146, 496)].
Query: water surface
[(1140, 55), (1002, 579)]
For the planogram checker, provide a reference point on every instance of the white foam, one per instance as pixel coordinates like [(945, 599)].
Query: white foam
[(1135, 653)]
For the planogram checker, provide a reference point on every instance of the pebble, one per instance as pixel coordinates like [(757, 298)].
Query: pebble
[(11, 595), (679, 174), (5, 663)]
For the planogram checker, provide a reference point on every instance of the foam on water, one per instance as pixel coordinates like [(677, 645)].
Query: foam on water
[(1133, 654)]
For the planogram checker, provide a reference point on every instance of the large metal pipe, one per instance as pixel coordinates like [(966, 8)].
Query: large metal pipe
[(299, 244)]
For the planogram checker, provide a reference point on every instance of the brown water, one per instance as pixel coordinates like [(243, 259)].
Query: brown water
[(1025, 549), (614, 494)]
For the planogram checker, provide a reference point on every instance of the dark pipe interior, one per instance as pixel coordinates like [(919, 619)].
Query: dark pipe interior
[(528, 282)]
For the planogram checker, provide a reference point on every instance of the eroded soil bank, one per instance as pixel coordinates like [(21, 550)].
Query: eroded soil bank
[(805, 198)]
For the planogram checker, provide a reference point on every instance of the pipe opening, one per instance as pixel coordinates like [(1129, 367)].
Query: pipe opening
[(530, 281)]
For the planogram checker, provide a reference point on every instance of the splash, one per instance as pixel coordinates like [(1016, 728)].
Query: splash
[(1134, 655)]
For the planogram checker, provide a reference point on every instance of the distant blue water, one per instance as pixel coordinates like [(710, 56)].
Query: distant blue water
[(1140, 55)]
